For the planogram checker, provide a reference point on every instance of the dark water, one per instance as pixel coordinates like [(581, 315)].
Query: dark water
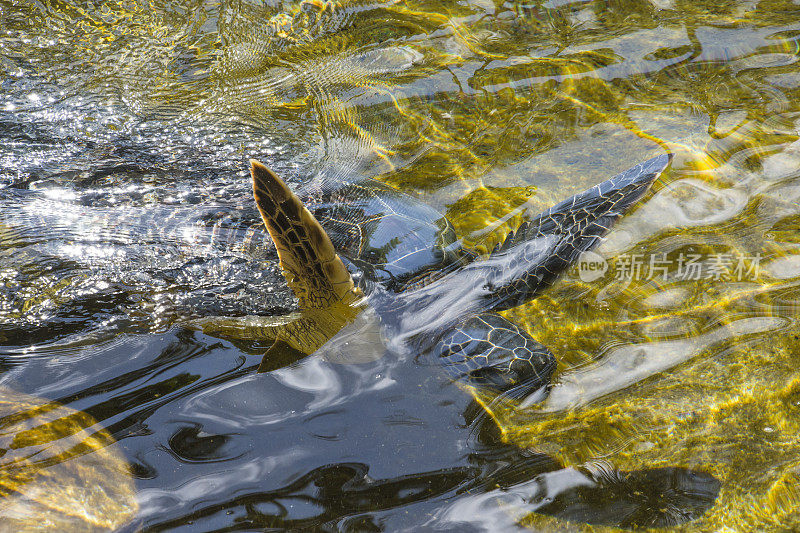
[(126, 212)]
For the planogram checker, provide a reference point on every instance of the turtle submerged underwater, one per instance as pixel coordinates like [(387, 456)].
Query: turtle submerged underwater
[(383, 285)]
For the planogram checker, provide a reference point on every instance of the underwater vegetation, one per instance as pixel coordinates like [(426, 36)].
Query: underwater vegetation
[(127, 218)]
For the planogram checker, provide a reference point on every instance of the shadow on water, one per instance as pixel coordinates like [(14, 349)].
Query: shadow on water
[(387, 445), (319, 445)]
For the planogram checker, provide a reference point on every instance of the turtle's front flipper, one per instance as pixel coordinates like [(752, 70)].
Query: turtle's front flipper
[(328, 298), (540, 251)]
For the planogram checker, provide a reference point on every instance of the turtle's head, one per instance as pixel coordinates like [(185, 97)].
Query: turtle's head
[(493, 354)]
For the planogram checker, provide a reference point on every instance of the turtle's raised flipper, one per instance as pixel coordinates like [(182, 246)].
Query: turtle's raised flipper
[(538, 253), (313, 269), (328, 298)]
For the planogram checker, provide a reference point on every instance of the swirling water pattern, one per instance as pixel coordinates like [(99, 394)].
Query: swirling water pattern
[(126, 127)]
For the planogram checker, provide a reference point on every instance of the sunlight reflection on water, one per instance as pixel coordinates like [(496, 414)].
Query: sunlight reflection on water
[(125, 212)]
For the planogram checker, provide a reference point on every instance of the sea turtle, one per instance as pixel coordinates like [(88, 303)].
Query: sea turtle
[(59, 470), (379, 275)]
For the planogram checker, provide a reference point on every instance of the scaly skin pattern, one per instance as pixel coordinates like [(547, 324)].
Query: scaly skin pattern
[(451, 319), (406, 310), (312, 267), (575, 225), (505, 356)]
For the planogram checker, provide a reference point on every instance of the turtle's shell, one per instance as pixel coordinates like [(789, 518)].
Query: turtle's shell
[(59, 470), (390, 236)]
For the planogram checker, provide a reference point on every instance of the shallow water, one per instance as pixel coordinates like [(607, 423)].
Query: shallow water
[(125, 130)]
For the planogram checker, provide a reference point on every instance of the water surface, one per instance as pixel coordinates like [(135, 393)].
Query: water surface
[(125, 129)]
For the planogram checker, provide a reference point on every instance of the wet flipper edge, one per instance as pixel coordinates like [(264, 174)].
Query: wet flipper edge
[(312, 268), (281, 354), (328, 298)]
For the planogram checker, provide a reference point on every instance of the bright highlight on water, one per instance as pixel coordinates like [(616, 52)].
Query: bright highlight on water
[(127, 221)]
